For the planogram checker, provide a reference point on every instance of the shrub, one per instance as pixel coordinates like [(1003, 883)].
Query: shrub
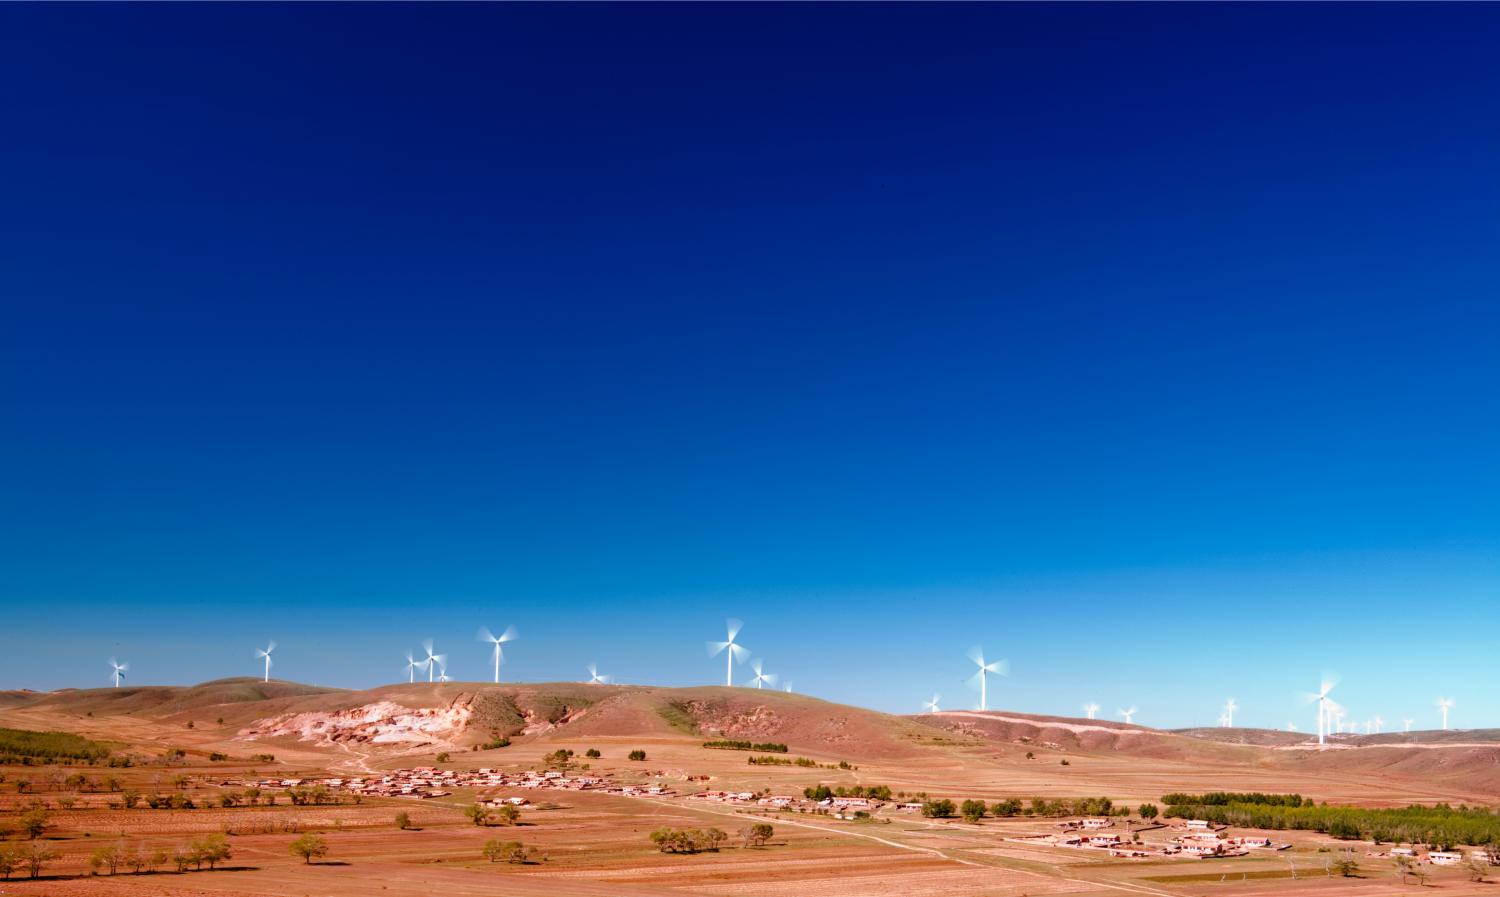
[(592, 754), (757, 835), (637, 754), (938, 809), (443, 757), (403, 821)]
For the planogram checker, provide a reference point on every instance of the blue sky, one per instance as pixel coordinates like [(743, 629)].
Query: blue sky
[(1152, 347)]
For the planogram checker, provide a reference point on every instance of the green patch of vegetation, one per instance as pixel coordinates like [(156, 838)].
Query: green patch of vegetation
[(1225, 798), (770, 747), (19, 745), (677, 715)]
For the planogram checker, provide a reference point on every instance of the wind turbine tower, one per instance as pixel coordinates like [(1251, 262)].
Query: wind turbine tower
[(1090, 709), (932, 705), (1445, 704), (432, 661), (270, 646), (999, 668), (762, 678), (486, 636), (1129, 714), (1229, 708), (117, 670), (729, 647)]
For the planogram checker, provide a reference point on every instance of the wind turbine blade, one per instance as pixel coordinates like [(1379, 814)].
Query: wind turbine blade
[(509, 634), (485, 635), (757, 666), (740, 652), (769, 678), (427, 646), (715, 648), (271, 646), (441, 660), (975, 679), (976, 654), (733, 627), (999, 667)]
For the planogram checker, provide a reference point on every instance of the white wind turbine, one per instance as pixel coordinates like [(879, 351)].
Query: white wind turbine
[(999, 668), (1326, 708), (1445, 704), (1090, 709), (1223, 720), (1406, 723), (270, 646), (1378, 723), (1129, 714), (595, 678), (411, 667), (486, 636), (432, 661), (1229, 708), (729, 646), (787, 686), (761, 678), (443, 673), (932, 705), (1291, 727), (117, 670)]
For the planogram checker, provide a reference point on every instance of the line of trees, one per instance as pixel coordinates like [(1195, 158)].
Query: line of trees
[(727, 744), (823, 792), (1225, 798), (688, 840), (1440, 826)]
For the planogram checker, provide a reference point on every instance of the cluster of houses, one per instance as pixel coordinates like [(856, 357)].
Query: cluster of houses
[(1196, 838), (428, 781), (839, 807), (1437, 857)]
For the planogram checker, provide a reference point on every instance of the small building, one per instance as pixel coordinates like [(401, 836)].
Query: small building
[(1199, 825), (1445, 857)]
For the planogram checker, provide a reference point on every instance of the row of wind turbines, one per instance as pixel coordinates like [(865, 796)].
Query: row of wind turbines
[(1330, 719)]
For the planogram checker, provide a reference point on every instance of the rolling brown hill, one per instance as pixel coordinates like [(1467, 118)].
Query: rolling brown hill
[(234, 714)]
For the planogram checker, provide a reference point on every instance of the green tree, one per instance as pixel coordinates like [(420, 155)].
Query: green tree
[(443, 757), (507, 814), (310, 847), (1148, 811), (1346, 865), (973, 810), (477, 814), (10, 860), (35, 856), (938, 809), (1011, 806), (757, 835), (212, 849), (109, 857), (637, 755), (403, 821), (592, 753), (34, 823)]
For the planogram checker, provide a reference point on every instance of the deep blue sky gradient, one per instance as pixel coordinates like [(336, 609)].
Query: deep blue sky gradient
[(1153, 347)]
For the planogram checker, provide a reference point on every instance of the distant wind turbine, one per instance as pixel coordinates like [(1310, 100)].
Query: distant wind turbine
[(1445, 704), (999, 668), (1291, 727), (1406, 723), (786, 686), (932, 705), (486, 636), (761, 678), (1326, 708), (1090, 709), (411, 667), (1379, 723), (443, 674), (432, 661), (1223, 721), (595, 678), (117, 670), (270, 646), (1129, 714), (1229, 708), (734, 650)]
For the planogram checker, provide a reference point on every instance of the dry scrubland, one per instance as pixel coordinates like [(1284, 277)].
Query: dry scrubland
[(590, 843)]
